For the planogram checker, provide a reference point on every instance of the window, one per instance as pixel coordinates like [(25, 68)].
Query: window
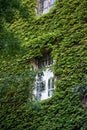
[(45, 61), (43, 6), (52, 2), (44, 81), (50, 87)]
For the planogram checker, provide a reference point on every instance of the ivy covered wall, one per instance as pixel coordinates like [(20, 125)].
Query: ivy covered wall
[(63, 30)]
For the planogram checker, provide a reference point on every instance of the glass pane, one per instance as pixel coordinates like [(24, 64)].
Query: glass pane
[(38, 87), (49, 84), (45, 4), (39, 96), (51, 2), (52, 82), (50, 93), (42, 86), (45, 10)]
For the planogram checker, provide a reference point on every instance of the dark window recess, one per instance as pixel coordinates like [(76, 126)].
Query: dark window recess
[(45, 61)]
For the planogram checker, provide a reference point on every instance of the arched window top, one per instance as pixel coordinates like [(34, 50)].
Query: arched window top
[(45, 61)]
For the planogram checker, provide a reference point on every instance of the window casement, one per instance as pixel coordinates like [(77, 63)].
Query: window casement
[(43, 6), (44, 80), (50, 87)]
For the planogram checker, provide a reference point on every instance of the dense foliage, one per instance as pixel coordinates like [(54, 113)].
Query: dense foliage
[(23, 36)]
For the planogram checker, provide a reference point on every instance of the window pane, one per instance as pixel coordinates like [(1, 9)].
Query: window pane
[(51, 2), (49, 84), (45, 4), (50, 93), (42, 86), (45, 10), (39, 96), (52, 82), (38, 87)]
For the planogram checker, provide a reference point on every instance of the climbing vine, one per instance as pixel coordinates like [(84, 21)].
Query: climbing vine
[(63, 30)]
